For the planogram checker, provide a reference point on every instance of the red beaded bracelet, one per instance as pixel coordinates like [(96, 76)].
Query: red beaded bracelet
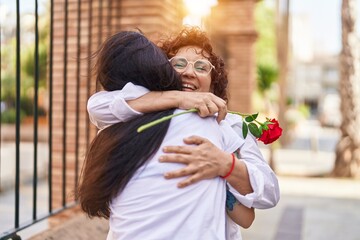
[(232, 167)]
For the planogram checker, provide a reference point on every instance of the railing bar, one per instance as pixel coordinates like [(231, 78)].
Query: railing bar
[(36, 98), (77, 95), (50, 101), (89, 70), (109, 17), (99, 34), (64, 105), (118, 15), (17, 127)]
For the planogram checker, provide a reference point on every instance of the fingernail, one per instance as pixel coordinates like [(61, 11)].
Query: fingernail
[(164, 149), (161, 158)]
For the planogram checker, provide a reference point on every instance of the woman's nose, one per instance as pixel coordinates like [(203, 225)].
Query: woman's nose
[(189, 70)]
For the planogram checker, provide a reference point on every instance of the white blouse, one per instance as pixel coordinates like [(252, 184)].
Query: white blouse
[(107, 108), (151, 207)]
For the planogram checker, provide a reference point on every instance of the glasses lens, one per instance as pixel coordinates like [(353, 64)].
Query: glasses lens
[(179, 63), (202, 66)]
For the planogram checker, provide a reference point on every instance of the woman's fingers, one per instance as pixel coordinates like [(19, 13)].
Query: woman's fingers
[(177, 149), (203, 110), (203, 160), (194, 175), (195, 140), (190, 180), (207, 103), (174, 158), (186, 171)]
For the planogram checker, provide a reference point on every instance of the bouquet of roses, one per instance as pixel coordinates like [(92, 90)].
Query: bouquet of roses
[(266, 132)]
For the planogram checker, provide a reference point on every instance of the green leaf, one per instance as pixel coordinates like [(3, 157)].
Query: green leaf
[(254, 130), (245, 129), (249, 118), (255, 115), (252, 117)]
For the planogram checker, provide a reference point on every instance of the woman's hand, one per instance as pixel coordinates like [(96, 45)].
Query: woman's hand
[(203, 160), (207, 103)]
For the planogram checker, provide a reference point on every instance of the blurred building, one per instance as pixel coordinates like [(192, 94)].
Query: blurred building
[(313, 73)]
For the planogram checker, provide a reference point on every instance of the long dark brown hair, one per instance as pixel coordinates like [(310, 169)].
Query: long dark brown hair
[(118, 151)]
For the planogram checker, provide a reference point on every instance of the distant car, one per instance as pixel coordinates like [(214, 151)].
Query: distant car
[(329, 111)]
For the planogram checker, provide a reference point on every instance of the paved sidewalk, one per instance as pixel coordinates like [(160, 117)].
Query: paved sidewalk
[(310, 209)]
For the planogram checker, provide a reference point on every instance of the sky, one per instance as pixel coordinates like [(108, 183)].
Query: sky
[(325, 21)]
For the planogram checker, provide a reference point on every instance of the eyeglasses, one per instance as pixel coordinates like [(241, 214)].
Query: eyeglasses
[(201, 66)]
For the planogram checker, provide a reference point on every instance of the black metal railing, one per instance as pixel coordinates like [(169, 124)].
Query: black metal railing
[(11, 195)]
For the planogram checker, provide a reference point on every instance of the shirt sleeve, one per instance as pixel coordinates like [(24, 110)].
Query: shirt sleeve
[(231, 141), (263, 180), (107, 108)]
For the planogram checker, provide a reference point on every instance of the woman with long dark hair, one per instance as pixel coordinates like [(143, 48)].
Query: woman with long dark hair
[(122, 178)]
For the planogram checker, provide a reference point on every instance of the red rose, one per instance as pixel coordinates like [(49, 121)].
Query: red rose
[(273, 132)]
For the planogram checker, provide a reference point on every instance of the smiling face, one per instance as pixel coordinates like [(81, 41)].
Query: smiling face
[(191, 81)]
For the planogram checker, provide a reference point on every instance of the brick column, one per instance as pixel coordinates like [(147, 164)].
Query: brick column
[(153, 17), (233, 30)]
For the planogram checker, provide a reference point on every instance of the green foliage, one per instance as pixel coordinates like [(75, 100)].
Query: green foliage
[(266, 41), (8, 89), (266, 75), (304, 110), (9, 116), (28, 63), (27, 73)]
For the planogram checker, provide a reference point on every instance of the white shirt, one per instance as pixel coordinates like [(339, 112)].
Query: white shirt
[(107, 108), (153, 208)]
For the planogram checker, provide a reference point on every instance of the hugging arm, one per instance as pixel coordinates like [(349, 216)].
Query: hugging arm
[(238, 213), (252, 182), (107, 108), (263, 180)]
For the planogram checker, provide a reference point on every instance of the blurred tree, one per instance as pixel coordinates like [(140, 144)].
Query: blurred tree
[(347, 162), (282, 42), (266, 41), (266, 60), (266, 75), (266, 64), (8, 70)]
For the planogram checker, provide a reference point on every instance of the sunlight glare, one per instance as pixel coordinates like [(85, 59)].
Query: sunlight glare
[(197, 10)]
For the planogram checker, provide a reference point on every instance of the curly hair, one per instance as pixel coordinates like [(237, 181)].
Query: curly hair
[(194, 36)]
